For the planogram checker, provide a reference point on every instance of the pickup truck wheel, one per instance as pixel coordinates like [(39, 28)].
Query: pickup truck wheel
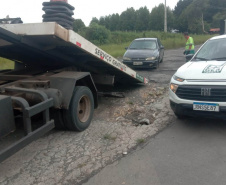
[(179, 115), (79, 115)]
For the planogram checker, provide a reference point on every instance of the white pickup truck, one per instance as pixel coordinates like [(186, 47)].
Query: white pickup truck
[(198, 88)]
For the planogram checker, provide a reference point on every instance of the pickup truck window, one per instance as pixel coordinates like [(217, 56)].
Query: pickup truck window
[(212, 50)]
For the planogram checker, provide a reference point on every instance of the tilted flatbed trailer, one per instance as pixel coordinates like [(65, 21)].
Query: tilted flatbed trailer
[(56, 73)]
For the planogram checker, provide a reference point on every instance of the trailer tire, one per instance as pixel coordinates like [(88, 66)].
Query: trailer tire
[(79, 115)]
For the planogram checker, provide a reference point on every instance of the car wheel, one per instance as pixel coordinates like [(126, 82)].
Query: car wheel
[(79, 115)]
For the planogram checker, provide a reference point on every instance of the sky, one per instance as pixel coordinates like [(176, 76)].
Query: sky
[(30, 11)]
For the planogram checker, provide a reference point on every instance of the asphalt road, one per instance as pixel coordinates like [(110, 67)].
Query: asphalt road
[(189, 151)]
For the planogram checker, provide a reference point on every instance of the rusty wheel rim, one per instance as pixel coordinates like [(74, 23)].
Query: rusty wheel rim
[(84, 109)]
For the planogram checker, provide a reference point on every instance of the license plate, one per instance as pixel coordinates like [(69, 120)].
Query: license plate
[(137, 63), (213, 107)]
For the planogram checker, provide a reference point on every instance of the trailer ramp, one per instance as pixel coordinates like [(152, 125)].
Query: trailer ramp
[(49, 46)]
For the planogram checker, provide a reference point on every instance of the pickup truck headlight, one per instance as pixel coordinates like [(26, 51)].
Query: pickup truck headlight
[(126, 58), (178, 78), (173, 87), (151, 58)]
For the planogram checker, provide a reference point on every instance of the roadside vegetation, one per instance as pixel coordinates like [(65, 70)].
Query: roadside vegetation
[(114, 32), (193, 16), (169, 40), (6, 64), (140, 141), (109, 137)]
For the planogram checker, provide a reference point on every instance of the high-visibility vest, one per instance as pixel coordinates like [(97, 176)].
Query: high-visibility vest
[(189, 42)]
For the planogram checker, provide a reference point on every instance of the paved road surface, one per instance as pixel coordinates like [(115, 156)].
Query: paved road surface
[(188, 152)]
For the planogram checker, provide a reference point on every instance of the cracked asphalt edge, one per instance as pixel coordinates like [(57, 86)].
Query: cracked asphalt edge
[(63, 157)]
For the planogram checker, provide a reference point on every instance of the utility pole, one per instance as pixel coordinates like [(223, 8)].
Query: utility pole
[(165, 19)]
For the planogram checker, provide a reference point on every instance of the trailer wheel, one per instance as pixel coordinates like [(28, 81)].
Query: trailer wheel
[(79, 115)]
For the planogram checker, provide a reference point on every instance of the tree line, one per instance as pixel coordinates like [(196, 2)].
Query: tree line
[(198, 16), (194, 16), (132, 20)]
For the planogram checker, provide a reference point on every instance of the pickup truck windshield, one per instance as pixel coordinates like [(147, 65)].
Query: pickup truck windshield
[(212, 50), (143, 44)]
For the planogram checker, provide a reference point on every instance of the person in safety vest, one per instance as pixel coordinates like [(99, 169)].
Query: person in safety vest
[(189, 46)]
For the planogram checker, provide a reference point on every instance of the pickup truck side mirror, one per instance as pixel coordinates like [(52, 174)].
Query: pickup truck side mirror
[(126, 48), (161, 47)]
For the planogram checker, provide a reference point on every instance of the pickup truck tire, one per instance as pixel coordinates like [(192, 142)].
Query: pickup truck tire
[(79, 115), (179, 115)]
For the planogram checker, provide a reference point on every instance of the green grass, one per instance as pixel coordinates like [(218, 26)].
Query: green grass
[(170, 41), (141, 140), (109, 137), (6, 64), (130, 102), (116, 50)]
